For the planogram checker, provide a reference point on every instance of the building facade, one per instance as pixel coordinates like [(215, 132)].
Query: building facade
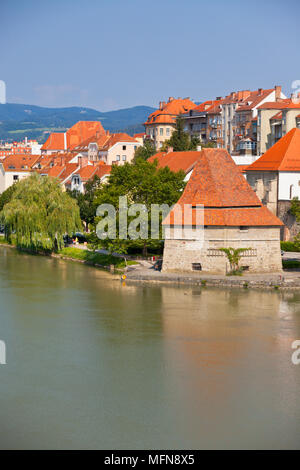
[(161, 123)]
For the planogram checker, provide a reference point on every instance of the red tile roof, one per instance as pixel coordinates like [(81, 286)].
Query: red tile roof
[(116, 138), (170, 110), (77, 134), (22, 162), (176, 160), (282, 156), (227, 198)]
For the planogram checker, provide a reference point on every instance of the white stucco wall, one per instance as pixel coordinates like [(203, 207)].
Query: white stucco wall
[(286, 181)]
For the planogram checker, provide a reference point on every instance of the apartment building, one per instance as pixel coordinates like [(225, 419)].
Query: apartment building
[(275, 119), (231, 122), (161, 123)]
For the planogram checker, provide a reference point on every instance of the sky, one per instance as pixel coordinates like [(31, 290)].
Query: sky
[(112, 54)]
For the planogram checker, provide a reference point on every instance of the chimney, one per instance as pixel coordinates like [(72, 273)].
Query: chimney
[(80, 162), (277, 92), (160, 105), (259, 91), (171, 98)]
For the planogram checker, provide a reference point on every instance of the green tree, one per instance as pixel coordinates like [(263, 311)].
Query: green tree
[(85, 200), (40, 213), (180, 140), (6, 196), (145, 151), (142, 183), (234, 256)]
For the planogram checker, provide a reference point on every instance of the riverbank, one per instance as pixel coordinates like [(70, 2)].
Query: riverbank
[(98, 260), (275, 281)]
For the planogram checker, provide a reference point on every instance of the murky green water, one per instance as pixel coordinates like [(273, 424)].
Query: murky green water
[(92, 363)]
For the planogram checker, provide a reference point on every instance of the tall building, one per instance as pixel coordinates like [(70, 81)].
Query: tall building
[(231, 122), (161, 123)]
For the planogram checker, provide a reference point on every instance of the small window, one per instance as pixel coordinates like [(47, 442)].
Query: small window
[(161, 131), (16, 177), (196, 267), (168, 131), (124, 158), (124, 147), (118, 158), (244, 228)]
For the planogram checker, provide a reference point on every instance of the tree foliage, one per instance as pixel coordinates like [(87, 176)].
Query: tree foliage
[(40, 214), (6, 196), (85, 200), (145, 151), (180, 140), (142, 183)]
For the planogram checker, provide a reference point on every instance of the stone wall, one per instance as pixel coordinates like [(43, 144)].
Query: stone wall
[(263, 254), (292, 228), (265, 184)]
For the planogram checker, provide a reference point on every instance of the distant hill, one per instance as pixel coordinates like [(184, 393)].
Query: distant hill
[(36, 122)]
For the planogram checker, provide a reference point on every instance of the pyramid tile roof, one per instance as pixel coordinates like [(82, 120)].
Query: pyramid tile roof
[(228, 199), (282, 156)]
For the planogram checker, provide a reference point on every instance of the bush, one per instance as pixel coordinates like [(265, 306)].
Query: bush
[(93, 258), (290, 246), (290, 264)]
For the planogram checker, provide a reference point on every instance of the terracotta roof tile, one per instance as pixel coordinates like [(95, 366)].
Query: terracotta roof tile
[(227, 198), (282, 156), (19, 162), (176, 160)]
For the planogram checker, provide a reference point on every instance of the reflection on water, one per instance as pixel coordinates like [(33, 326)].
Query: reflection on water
[(94, 363)]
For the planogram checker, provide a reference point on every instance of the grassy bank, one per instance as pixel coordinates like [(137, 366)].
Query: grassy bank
[(89, 257)]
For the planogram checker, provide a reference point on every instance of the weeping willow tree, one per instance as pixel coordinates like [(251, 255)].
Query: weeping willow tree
[(40, 213)]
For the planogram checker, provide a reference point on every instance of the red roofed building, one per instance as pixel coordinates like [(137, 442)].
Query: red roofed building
[(230, 122), (15, 167), (177, 161), (230, 215), (275, 177), (83, 175), (161, 123), (66, 141), (275, 119)]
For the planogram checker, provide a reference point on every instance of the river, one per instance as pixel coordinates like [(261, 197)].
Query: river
[(93, 363)]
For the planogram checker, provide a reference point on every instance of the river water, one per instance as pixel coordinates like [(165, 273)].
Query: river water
[(96, 364)]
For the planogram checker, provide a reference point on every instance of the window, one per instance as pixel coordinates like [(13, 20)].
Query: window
[(244, 228), (168, 131), (161, 131), (16, 177), (76, 179), (291, 191), (124, 147), (196, 267), (124, 158), (118, 158)]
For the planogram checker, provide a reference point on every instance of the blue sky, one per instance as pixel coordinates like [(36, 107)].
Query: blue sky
[(110, 54)]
